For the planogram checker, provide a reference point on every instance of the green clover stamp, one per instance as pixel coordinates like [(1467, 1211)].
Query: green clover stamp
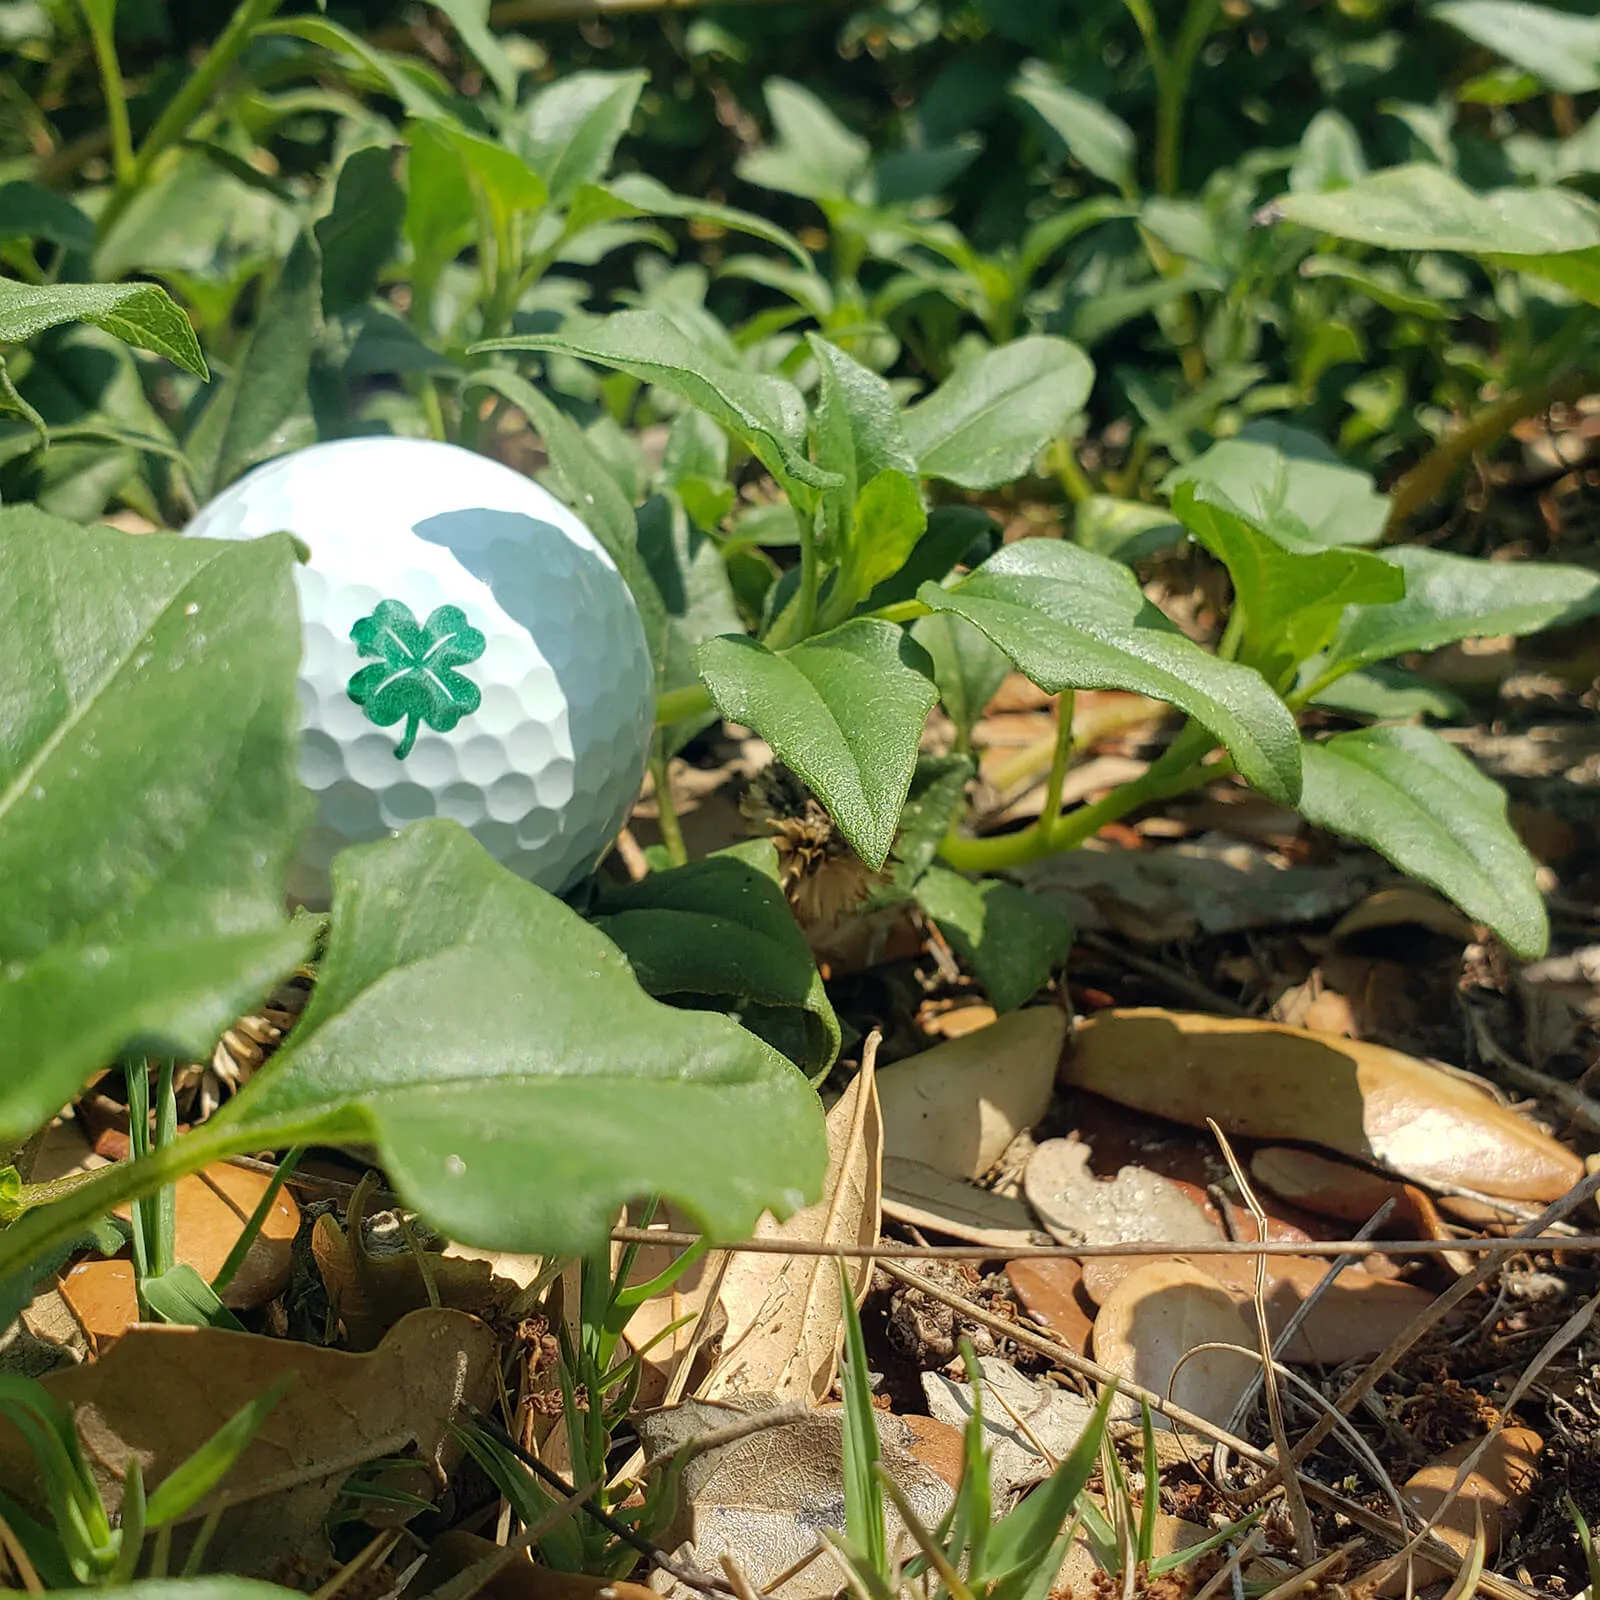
[(414, 676)]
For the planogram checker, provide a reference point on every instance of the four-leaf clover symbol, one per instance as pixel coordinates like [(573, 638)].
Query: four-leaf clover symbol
[(414, 676)]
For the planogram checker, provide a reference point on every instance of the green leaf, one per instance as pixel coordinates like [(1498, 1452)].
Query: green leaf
[(932, 809), (474, 1029), (1092, 135), (470, 19), (240, 423), (505, 183), (570, 129), (1013, 939), (967, 666), (181, 1296), (766, 413), (1390, 694), (1277, 474), (414, 677), (813, 155), (29, 211), (397, 75), (1290, 593), (195, 1589), (957, 535), (1421, 803), (1552, 233), (1330, 155), (148, 796), (440, 216), (1560, 48), (888, 521), (983, 427), (140, 314), (722, 927), (865, 1524), (358, 236), (845, 710), (643, 195), (205, 1467), (1450, 597), (1072, 620), (1123, 530)]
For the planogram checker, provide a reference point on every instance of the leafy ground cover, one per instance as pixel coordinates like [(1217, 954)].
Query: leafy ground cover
[(1109, 493)]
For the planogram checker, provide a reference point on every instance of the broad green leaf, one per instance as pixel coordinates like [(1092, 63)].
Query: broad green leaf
[(1421, 803), (140, 314), (845, 710), (982, 428), (1094, 136), (506, 184), (1383, 693), (475, 1030), (1561, 48), (888, 521), (643, 195), (359, 235), (268, 382), (1450, 597), (1072, 620), (571, 128), (398, 76), (1290, 592), (440, 216), (857, 432), (813, 155), (957, 535), (148, 796), (1330, 155), (967, 666), (470, 19), (1380, 282), (30, 211), (932, 809), (766, 413), (1272, 472), (180, 1295), (721, 927), (1013, 939)]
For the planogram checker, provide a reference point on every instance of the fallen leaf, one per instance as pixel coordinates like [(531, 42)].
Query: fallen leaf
[(936, 1203), (938, 1446), (1358, 1314), (1079, 1208), (160, 1392), (1265, 1081), (1051, 1293), (785, 1318), (1155, 1317), (1497, 1488), (1404, 906), (1350, 1193), (762, 1498), (519, 1579), (956, 1107), (1027, 1426)]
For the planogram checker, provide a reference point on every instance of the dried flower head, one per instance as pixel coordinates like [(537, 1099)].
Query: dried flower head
[(822, 876)]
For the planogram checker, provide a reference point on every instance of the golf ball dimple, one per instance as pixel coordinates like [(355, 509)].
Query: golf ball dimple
[(470, 652)]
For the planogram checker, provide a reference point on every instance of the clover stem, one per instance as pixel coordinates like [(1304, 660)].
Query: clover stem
[(403, 749)]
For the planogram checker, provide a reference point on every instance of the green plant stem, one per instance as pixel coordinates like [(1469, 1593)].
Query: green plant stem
[(1428, 479), (679, 705), (807, 598), (666, 811), (1063, 461), (1198, 19), (258, 1219), (901, 611), (103, 38), (1061, 757), (184, 106)]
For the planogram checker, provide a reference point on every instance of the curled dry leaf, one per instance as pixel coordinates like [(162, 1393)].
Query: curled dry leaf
[(1266, 1081), (1079, 1208), (1340, 1189), (1027, 1426), (1155, 1317), (937, 1203), (762, 1498), (785, 1319), (160, 1392), (1357, 1315), (1496, 1488), (956, 1107)]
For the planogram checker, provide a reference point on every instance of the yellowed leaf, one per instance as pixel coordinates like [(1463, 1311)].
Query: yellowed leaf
[(785, 1317), (1266, 1081)]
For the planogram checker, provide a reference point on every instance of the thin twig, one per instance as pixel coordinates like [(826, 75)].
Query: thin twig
[(1179, 983), (1577, 1107)]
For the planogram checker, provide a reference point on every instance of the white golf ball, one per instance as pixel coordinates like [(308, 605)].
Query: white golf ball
[(470, 652)]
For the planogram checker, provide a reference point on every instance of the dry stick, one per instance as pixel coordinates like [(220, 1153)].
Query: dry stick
[(1579, 1108), (1452, 1297), (1305, 1538), (1552, 1347), (1248, 1546), (375, 1550), (1069, 1358), (1312, 1575), (1178, 982), (1509, 1244)]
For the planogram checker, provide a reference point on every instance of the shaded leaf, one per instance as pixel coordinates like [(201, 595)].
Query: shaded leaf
[(359, 235), (470, 19), (1421, 803), (845, 710), (967, 666), (1093, 135), (1014, 940), (30, 211)]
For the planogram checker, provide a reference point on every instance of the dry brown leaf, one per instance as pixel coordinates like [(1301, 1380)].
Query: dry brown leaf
[(956, 1107), (937, 1203), (1051, 1293), (762, 1498), (1155, 1317), (161, 1392), (684, 1303), (519, 1579), (1265, 1081), (1406, 905), (1496, 1489), (1349, 1193), (1137, 1204), (1357, 1315), (785, 1317)]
